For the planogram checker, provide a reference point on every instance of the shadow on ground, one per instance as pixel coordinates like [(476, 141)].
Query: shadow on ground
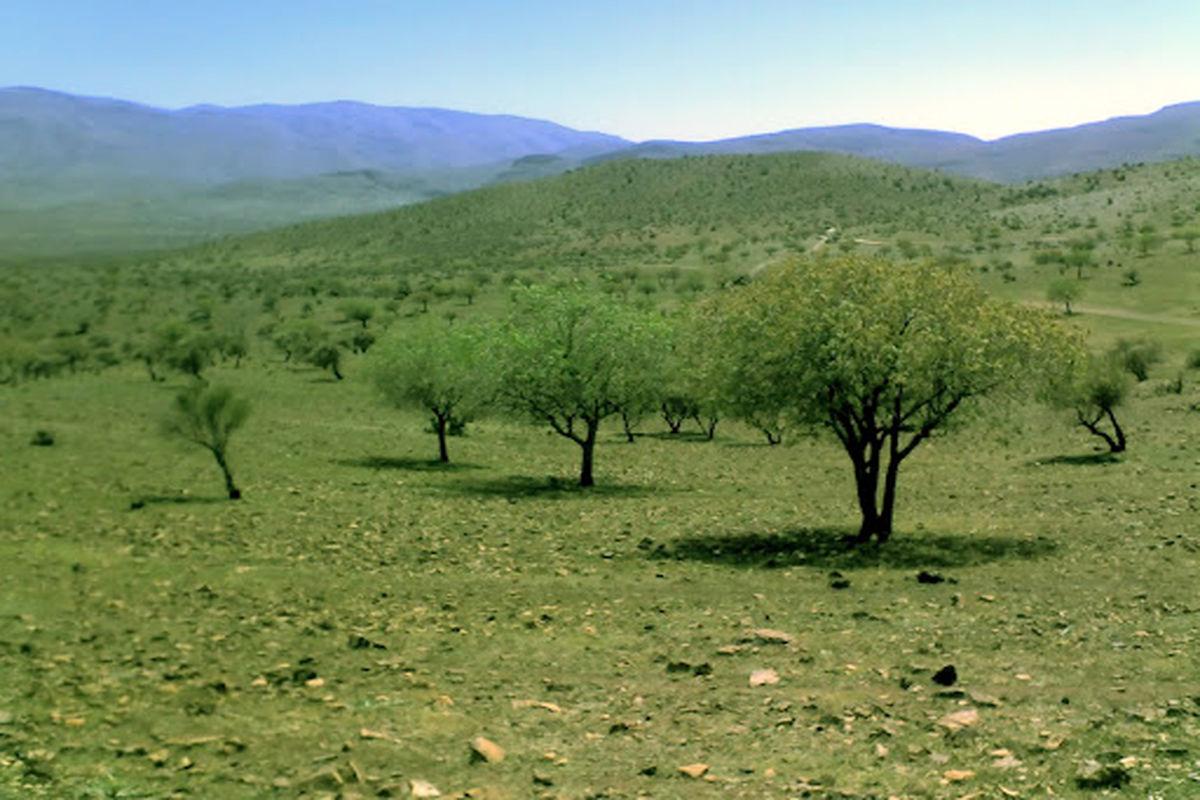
[(832, 548), (407, 464), (175, 499), (1090, 459), (682, 436), (551, 486)]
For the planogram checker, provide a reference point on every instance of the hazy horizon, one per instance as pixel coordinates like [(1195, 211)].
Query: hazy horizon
[(664, 69)]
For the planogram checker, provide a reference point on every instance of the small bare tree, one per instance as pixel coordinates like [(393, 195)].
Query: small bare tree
[(208, 416)]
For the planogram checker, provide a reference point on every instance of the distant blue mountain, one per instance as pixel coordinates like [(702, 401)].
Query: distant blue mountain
[(88, 173), (1170, 133), (59, 137)]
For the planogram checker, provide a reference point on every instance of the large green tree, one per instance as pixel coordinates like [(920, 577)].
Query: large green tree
[(571, 357), (881, 354), (437, 367)]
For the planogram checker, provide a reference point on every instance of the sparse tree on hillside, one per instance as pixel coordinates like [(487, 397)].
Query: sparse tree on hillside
[(1065, 291), (357, 311), (571, 358), (1093, 391), (438, 368), (881, 354), (1136, 356), (208, 416)]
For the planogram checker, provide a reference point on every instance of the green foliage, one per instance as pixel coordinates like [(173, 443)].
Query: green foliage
[(880, 354), (571, 358), (1065, 291), (1093, 390), (438, 368), (208, 417), (1137, 356)]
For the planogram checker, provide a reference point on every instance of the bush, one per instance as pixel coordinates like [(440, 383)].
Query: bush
[(42, 439)]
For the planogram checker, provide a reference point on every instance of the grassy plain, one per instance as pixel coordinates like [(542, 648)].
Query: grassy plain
[(363, 613)]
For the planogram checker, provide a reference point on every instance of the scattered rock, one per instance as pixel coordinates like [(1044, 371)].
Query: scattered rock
[(987, 700), (956, 720), (771, 636), (367, 733), (696, 770), (1094, 775), (542, 779), (946, 676), (958, 775), (358, 642), (553, 708), (486, 750), (424, 789), (764, 677)]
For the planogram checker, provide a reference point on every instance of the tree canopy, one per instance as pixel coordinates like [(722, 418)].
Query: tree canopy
[(880, 354), (571, 357), (437, 367)]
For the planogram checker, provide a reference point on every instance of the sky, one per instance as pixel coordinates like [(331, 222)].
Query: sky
[(642, 69)]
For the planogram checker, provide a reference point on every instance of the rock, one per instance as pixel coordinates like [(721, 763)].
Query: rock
[(958, 775), (6, 717), (424, 789), (771, 636), (486, 750), (696, 770), (542, 779), (946, 676), (956, 720), (1094, 775), (987, 700), (764, 677)]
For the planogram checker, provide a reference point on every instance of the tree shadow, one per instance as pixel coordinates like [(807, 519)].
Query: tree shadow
[(681, 436), (834, 548), (174, 499), (406, 464), (1090, 459), (550, 486)]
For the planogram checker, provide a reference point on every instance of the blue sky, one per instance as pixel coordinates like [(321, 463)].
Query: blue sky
[(651, 69)]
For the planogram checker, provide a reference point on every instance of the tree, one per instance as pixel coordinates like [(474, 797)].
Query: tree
[(1136, 356), (570, 358), (357, 311), (883, 355), (438, 368), (208, 416), (1065, 291), (1093, 392)]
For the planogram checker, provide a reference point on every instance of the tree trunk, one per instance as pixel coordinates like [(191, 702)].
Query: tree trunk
[(589, 448), (1119, 445), (336, 372), (628, 427), (234, 492), (439, 423)]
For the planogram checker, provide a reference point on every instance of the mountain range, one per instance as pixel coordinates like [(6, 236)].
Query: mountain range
[(96, 174)]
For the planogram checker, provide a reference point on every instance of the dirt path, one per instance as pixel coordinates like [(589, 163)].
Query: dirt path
[(1121, 313)]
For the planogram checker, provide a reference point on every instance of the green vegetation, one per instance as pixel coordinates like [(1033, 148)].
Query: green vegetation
[(365, 612), (208, 416), (437, 368), (880, 355)]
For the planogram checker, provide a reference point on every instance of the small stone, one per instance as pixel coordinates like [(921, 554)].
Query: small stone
[(764, 677), (158, 757), (696, 770), (772, 636), (966, 718), (424, 789), (946, 676), (483, 749), (958, 775)]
